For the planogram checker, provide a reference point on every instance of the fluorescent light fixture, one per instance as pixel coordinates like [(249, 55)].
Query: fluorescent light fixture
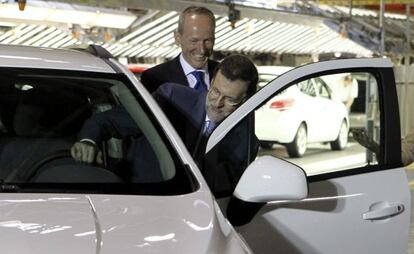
[(53, 38), (135, 50), (159, 51), (124, 49), (148, 26), (39, 36), (167, 40), (173, 53), (164, 33), (261, 28), (61, 42), (29, 34)]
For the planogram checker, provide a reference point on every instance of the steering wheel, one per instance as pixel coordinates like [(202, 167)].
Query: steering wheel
[(72, 172), (26, 174)]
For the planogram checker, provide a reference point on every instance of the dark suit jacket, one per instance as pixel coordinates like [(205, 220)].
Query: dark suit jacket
[(222, 166), (185, 108), (169, 72), (140, 163)]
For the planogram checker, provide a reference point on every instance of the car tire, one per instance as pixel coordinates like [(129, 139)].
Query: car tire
[(298, 146), (340, 142)]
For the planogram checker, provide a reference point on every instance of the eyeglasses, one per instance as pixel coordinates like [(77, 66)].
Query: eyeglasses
[(215, 94)]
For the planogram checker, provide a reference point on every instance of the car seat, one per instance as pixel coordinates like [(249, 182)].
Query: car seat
[(33, 136), (39, 130)]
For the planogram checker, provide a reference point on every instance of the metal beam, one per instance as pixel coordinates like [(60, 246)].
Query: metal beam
[(216, 8)]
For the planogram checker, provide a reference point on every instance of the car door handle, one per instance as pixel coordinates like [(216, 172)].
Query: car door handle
[(383, 210)]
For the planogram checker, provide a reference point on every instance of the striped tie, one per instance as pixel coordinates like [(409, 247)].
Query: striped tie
[(199, 85)]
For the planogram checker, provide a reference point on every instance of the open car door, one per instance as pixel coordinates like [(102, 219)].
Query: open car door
[(349, 201)]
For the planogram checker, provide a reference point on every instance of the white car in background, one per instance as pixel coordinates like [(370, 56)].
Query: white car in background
[(303, 113)]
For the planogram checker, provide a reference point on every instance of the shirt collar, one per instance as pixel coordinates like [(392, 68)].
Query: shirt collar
[(207, 118)]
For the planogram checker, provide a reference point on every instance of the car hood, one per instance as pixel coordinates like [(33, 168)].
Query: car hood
[(46, 223)]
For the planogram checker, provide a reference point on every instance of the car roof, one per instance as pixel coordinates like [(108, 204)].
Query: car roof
[(51, 58)]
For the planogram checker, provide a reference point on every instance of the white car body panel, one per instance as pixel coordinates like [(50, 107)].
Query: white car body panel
[(33, 223), (49, 58), (65, 223), (331, 220), (269, 171)]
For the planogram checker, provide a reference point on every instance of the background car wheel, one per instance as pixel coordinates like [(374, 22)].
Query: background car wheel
[(298, 146), (342, 139), (266, 145)]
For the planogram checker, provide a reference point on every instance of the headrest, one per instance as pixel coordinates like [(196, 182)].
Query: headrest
[(44, 113), (33, 116)]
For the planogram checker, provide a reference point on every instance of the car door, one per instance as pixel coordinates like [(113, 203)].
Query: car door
[(358, 201)]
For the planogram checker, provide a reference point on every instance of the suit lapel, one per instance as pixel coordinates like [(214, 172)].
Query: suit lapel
[(177, 75), (211, 67)]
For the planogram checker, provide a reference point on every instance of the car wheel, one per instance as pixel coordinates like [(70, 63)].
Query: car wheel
[(298, 146), (340, 142)]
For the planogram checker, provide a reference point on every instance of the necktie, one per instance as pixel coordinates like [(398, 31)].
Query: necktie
[(209, 127), (199, 85)]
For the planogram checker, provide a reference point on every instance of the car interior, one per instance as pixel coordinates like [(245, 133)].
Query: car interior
[(40, 119)]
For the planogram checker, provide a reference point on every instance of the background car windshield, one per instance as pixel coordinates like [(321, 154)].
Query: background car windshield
[(43, 113)]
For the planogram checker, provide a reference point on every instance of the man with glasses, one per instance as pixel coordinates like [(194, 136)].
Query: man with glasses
[(234, 80), (194, 114)]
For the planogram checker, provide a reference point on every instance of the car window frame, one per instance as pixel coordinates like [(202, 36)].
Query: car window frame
[(153, 188), (381, 69)]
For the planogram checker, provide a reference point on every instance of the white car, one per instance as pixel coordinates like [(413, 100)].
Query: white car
[(51, 204), (303, 113)]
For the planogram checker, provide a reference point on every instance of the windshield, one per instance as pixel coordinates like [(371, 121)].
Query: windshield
[(43, 113)]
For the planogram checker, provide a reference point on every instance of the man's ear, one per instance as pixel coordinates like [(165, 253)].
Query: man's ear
[(177, 38)]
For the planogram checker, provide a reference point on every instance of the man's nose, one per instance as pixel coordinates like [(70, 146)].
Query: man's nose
[(201, 47)]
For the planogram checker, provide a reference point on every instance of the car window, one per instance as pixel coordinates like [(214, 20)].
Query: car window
[(307, 87), (43, 113), (322, 89), (323, 136)]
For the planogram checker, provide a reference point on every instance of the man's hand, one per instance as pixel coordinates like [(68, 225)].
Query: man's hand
[(85, 152)]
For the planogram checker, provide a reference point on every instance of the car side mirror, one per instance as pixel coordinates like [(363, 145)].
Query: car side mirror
[(266, 179), (271, 179)]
